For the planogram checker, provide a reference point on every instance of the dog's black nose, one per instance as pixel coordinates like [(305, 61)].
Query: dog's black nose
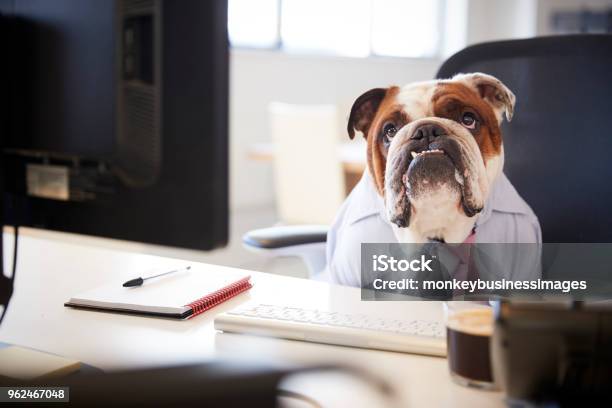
[(429, 132)]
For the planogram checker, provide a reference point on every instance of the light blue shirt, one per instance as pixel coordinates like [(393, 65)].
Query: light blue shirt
[(506, 218)]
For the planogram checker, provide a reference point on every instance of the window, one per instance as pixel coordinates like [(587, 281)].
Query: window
[(253, 23), (356, 28)]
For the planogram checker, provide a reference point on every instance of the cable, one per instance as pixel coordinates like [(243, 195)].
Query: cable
[(298, 396), (378, 383), (16, 233)]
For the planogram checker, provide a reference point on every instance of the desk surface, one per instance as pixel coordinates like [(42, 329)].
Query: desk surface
[(53, 267)]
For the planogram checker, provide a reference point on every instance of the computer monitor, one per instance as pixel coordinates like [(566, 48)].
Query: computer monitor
[(114, 119), (118, 119)]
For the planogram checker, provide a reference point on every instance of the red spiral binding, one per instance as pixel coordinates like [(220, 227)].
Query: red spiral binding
[(217, 297)]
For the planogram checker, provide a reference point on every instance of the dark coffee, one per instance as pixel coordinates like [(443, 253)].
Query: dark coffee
[(468, 336)]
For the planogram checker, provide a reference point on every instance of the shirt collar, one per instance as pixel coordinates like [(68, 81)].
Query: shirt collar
[(365, 200), (502, 198)]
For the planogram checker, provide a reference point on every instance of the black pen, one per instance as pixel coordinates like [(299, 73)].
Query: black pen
[(140, 281)]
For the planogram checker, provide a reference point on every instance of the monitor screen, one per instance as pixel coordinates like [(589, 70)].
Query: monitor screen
[(116, 121)]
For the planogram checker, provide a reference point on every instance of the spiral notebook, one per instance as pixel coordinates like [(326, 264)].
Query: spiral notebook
[(181, 296)]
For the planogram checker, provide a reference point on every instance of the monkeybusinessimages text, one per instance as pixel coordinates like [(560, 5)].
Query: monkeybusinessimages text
[(382, 264)]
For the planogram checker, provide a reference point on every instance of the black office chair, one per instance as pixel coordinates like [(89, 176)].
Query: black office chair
[(559, 143)]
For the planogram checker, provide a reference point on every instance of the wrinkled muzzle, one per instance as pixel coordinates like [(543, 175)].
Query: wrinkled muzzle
[(433, 157)]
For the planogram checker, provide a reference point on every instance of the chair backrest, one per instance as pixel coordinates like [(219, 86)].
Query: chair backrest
[(559, 144), (307, 170)]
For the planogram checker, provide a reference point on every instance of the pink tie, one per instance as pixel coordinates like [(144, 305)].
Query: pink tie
[(463, 271)]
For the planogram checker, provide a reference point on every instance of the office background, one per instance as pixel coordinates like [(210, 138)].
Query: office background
[(278, 58)]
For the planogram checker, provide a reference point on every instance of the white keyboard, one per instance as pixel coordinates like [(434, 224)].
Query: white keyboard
[(356, 330)]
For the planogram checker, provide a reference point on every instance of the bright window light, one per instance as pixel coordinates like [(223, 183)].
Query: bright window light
[(327, 26), (356, 28), (405, 28), (253, 23)]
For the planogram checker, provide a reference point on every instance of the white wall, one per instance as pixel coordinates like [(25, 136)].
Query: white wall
[(491, 20), (260, 77)]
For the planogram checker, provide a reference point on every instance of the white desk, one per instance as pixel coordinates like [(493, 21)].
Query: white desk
[(50, 270)]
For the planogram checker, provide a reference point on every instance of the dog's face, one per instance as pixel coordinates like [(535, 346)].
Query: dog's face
[(434, 149)]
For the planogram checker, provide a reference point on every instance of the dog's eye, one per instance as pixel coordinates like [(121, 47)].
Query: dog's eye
[(469, 120), (389, 130)]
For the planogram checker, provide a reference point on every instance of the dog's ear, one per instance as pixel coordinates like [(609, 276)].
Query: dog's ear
[(493, 91), (363, 111)]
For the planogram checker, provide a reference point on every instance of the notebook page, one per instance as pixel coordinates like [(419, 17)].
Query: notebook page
[(167, 294)]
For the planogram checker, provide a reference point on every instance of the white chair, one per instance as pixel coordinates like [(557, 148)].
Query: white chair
[(308, 174)]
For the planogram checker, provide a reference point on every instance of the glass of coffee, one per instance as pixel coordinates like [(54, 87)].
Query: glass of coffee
[(469, 327)]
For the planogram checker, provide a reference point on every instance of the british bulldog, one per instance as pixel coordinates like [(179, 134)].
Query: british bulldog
[(435, 160)]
